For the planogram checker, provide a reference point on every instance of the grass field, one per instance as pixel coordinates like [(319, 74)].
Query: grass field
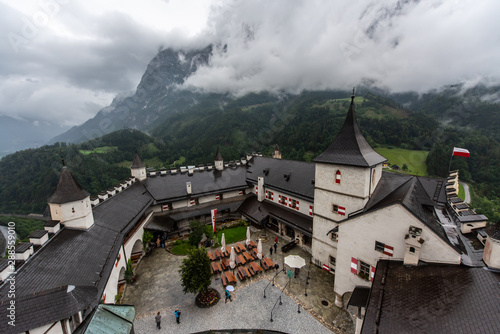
[(415, 160), (103, 149), (461, 191), (233, 234), (181, 247)]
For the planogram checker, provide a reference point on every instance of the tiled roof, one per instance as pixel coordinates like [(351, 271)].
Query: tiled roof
[(218, 156), (23, 247), (38, 234), (350, 146), (79, 257), (432, 299), (173, 187), (299, 183), (4, 263), (493, 231), (137, 163), (51, 223), (68, 189)]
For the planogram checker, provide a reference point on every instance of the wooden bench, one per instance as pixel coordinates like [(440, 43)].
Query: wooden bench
[(255, 267), (223, 279), (252, 244), (218, 253), (268, 262), (240, 260), (230, 277), (216, 267), (241, 247), (247, 256), (211, 256), (225, 264)]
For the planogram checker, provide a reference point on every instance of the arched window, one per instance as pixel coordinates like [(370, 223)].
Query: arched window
[(338, 176)]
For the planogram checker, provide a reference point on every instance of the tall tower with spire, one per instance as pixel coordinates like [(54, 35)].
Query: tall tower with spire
[(218, 161), (138, 168), (346, 175), (70, 204)]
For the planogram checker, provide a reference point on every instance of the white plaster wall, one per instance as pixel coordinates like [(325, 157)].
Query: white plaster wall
[(57, 329), (231, 194), (322, 245), (491, 255), (180, 204), (24, 256), (40, 241), (323, 201), (303, 204), (206, 199), (5, 273), (468, 229), (81, 218), (389, 225), (354, 180), (112, 284), (138, 173)]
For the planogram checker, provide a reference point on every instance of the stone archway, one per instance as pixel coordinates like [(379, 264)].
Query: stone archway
[(121, 281), (137, 253)]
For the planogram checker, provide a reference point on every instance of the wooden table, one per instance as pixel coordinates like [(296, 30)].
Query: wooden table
[(225, 264), (247, 256), (225, 253), (223, 279), (244, 274), (218, 253), (230, 277), (211, 256), (267, 262), (255, 267), (253, 253), (240, 260), (216, 267), (241, 247), (252, 244)]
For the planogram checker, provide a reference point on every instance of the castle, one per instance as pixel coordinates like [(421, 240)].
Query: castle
[(343, 208)]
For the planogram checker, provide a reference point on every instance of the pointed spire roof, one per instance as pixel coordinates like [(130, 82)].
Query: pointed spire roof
[(137, 163), (350, 147), (68, 189), (218, 156)]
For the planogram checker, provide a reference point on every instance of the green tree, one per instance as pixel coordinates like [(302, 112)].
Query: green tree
[(195, 272), (197, 230)]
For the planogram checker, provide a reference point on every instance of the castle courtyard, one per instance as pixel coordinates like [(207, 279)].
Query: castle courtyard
[(158, 288)]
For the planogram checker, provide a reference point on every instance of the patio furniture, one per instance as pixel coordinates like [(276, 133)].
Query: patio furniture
[(247, 256)]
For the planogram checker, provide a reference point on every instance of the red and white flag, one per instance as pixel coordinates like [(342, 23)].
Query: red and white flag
[(460, 152), (214, 215)]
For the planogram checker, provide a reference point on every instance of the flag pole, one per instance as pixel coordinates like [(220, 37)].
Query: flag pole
[(449, 167)]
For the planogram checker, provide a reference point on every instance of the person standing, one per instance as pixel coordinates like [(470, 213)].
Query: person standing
[(158, 320), (271, 250), (158, 242), (228, 296), (275, 240), (178, 316), (275, 248)]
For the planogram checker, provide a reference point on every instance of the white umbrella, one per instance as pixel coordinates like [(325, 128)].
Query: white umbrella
[(223, 243), (295, 261), (232, 258), (230, 288), (248, 236), (259, 249)]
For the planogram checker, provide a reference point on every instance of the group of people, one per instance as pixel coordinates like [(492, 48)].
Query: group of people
[(275, 246), (177, 314), (160, 241)]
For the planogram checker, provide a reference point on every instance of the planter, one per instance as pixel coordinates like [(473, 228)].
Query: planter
[(208, 298)]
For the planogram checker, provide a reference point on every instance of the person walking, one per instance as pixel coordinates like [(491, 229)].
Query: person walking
[(158, 242), (228, 296), (275, 248), (178, 316), (271, 250), (158, 320)]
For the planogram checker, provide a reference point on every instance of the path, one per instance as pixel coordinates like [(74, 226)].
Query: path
[(466, 191)]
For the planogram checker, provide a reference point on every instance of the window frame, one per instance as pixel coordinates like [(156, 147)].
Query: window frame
[(379, 246), (361, 270)]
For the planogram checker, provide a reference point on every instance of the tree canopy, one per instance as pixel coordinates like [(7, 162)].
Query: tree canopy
[(195, 272)]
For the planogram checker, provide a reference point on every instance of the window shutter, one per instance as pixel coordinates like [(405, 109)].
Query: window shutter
[(310, 210), (297, 205), (354, 266), (272, 196), (337, 177), (342, 210), (164, 207), (372, 273), (290, 202), (388, 250)]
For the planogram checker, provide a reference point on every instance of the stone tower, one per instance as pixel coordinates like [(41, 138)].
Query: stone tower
[(138, 168), (219, 162), (276, 153), (70, 204)]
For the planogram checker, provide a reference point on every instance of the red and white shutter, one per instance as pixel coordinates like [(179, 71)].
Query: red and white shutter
[(372, 273), (290, 202), (164, 207), (354, 266), (272, 196), (279, 198), (388, 250), (240, 192), (337, 177), (297, 205), (326, 267), (192, 201), (310, 210), (341, 210), (256, 190), (217, 196), (267, 194)]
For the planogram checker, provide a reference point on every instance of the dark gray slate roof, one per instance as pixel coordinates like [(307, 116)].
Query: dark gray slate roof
[(218, 156), (409, 191), (36, 310), (173, 187), (258, 211), (455, 200), (77, 257), (68, 189), (51, 223), (23, 247), (38, 234), (432, 299), (137, 163), (472, 218), (273, 170), (4, 263), (350, 147), (493, 231)]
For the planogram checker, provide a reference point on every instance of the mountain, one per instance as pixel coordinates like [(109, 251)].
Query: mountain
[(157, 96)]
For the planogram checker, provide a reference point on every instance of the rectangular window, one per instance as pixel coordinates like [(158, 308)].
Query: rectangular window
[(334, 236), (332, 261), (294, 203), (283, 200), (364, 270), (335, 208), (379, 247)]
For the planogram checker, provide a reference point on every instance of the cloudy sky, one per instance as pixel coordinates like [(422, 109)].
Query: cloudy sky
[(63, 60)]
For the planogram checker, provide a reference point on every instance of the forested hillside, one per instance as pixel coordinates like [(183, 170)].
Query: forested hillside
[(302, 125)]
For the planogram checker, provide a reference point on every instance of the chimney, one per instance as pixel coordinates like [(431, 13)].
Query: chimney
[(23, 251), (39, 237), (188, 187), (261, 192), (491, 254), (52, 226), (413, 244)]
